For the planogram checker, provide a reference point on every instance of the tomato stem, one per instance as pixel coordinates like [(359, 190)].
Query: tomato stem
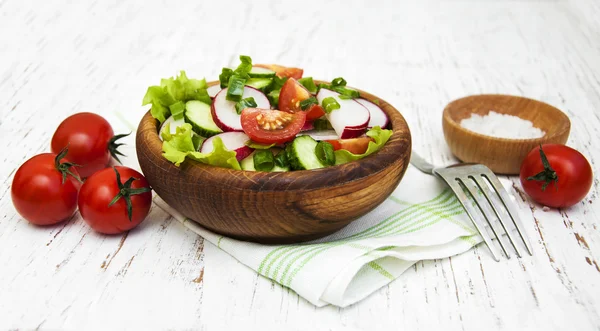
[(125, 192), (113, 146), (64, 168), (547, 175)]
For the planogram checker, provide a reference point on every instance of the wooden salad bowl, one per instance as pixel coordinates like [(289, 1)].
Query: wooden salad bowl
[(276, 207), (501, 155)]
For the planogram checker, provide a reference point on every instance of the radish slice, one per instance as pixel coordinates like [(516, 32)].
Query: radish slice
[(172, 126), (223, 110), (233, 141), (213, 90), (350, 120), (378, 116), (320, 134)]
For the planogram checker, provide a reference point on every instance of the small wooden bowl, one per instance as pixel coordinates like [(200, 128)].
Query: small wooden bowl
[(501, 155), (270, 207)]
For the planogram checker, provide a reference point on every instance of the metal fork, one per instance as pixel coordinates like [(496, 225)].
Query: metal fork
[(473, 179)]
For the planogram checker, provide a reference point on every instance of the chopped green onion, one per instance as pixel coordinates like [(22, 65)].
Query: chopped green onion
[(263, 160), (324, 152), (245, 103), (329, 104), (274, 97), (224, 77), (235, 90), (281, 160), (346, 93), (308, 83), (244, 68), (322, 124), (376, 101), (277, 84), (338, 82), (177, 109), (306, 104)]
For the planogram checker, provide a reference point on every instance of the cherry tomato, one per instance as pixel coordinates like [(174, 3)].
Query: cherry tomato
[(290, 96), (282, 71), (556, 175), (110, 205), (44, 189), (271, 126), (354, 145), (91, 141)]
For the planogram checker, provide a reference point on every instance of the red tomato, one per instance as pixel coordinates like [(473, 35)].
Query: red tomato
[(271, 126), (314, 112), (91, 141), (44, 190), (354, 145), (102, 188), (562, 181), (282, 71), (290, 96)]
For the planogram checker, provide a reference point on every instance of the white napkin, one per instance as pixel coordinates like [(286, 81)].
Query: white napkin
[(421, 220)]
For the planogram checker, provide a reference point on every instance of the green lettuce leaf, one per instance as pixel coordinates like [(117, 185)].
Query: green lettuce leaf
[(179, 146), (173, 90), (380, 136)]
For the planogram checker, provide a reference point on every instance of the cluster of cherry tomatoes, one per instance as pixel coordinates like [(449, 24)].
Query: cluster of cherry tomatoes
[(48, 188)]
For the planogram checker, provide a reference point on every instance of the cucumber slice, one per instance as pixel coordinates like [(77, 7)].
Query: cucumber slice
[(259, 83), (301, 154), (198, 114), (248, 165), (258, 72)]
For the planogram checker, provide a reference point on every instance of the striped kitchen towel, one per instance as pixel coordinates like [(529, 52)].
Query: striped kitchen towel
[(421, 220)]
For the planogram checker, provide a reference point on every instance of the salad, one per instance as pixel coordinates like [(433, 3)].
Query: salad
[(265, 118)]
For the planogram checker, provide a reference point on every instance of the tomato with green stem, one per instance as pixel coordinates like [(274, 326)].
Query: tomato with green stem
[(91, 141), (44, 189), (110, 206), (556, 175)]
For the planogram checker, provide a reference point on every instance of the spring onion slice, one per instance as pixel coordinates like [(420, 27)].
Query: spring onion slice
[(324, 152), (338, 82), (224, 77), (245, 103), (235, 90), (263, 160), (329, 104), (273, 97)]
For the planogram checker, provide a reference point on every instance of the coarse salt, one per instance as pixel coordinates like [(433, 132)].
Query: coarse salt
[(502, 126)]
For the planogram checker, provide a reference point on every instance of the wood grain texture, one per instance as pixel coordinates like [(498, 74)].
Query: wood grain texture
[(502, 155), (270, 207), (60, 57)]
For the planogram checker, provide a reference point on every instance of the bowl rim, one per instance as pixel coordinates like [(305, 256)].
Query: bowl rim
[(394, 151), (564, 128)]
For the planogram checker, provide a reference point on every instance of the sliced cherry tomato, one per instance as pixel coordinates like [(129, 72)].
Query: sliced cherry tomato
[(111, 205), (282, 71), (271, 126), (314, 112), (556, 175), (354, 145), (44, 189), (91, 141), (290, 96)]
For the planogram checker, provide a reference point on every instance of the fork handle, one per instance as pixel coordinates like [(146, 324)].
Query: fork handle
[(420, 163)]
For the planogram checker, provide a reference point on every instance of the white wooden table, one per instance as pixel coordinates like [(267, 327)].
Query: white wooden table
[(61, 57)]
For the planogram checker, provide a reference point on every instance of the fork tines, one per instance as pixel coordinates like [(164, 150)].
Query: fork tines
[(471, 184)]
